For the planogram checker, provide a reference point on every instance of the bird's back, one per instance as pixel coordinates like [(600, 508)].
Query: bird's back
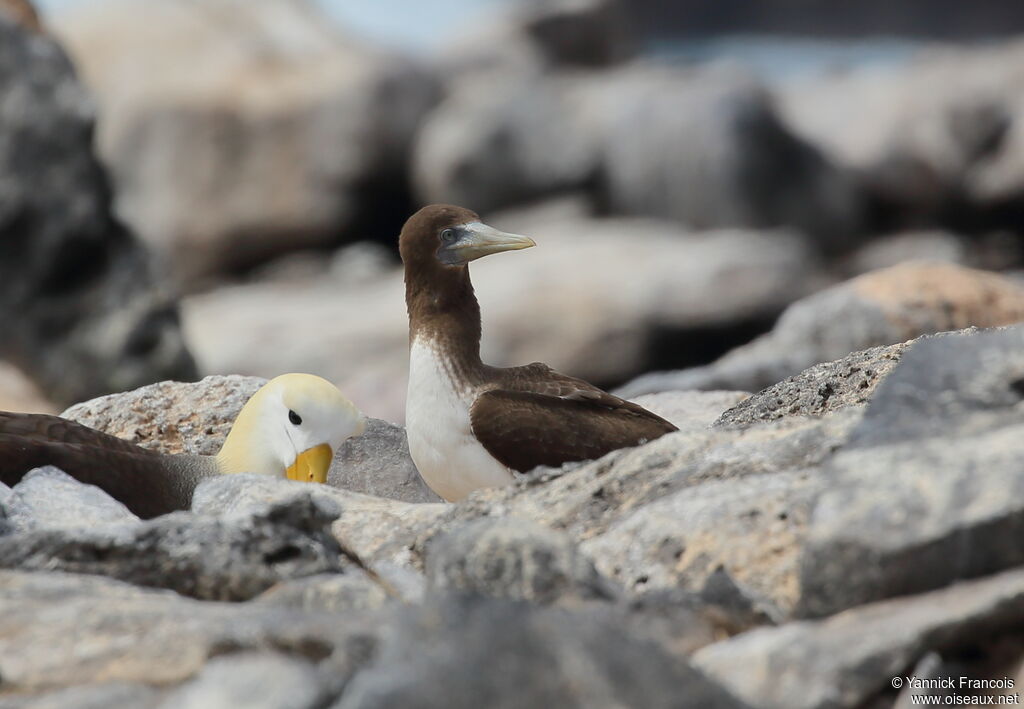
[(532, 415), (148, 483)]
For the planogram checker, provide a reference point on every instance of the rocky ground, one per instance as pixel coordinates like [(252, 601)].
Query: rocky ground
[(799, 547), (764, 265)]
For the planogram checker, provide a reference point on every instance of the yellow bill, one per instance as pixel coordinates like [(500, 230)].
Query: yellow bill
[(311, 465)]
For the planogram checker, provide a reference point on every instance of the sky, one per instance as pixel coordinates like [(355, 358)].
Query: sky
[(412, 24)]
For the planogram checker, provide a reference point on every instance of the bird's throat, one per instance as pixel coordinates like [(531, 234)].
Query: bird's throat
[(443, 310)]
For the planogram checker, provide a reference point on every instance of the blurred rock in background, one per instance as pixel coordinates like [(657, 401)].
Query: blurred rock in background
[(685, 184), (81, 310), (238, 131), (938, 141)]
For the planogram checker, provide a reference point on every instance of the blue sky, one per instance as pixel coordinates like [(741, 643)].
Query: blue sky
[(406, 23)]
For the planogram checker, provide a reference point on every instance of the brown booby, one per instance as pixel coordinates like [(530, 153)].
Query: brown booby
[(470, 425), (289, 428)]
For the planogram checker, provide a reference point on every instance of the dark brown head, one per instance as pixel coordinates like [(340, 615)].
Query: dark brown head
[(436, 244), (442, 237)]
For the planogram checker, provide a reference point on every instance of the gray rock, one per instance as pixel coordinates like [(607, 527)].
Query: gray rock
[(253, 681), (879, 308), (84, 312), (493, 148), (96, 696), (489, 653), (844, 660), (380, 531), (937, 139), (378, 463), (960, 383), (732, 161), (512, 558), (208, 558), (327, 592), (23, 13), (893, 249), (171, 417), (244, 494), (522, 136), (929, 488), (538, 38), (62, 630), (753, 527), (671, 514), (817, 390), (48, 498), (692, 410)]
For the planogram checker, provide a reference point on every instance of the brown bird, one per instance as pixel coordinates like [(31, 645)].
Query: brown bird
[(470, 425), (289, 428)]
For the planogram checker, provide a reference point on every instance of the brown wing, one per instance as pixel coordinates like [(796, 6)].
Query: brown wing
[(524, 429), (41, 427), (148, 483), (538, 378)]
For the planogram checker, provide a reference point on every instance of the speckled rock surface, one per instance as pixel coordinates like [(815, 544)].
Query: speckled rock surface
[(171, 417)]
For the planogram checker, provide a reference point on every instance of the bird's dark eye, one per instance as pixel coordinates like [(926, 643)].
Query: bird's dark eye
[(448, 235), (294, 417)]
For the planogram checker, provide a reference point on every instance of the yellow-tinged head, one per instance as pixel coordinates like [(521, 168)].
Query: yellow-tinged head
[(291, 428)]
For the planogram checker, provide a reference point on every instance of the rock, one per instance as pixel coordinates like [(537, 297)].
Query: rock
[(878, 308), (539, 37), (895, 249), (512, 558), (937, 140), (62, 630), (818, 390), (673, 514), (254, 681), (23, 13), (97, 696), (733, 161), (238, 132), (691, 410), (752, 527), (547, 657), (207, 558), (906, 505), (378, 530), (491, 148), (844, 660), (171, 417), (48, 498), (519, 137), (378, 463), (676, 286), (332, 593), (19, 393), (85, 312)]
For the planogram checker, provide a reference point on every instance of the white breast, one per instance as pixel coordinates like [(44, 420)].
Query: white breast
[(448, 456)]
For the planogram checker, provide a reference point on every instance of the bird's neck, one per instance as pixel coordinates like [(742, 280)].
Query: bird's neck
[(443, 311)]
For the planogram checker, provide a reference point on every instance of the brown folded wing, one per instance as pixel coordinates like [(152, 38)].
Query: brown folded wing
[(146, 482), (524, 429)]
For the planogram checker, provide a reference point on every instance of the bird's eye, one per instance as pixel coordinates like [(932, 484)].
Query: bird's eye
[(294, 417), (448, 235)]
